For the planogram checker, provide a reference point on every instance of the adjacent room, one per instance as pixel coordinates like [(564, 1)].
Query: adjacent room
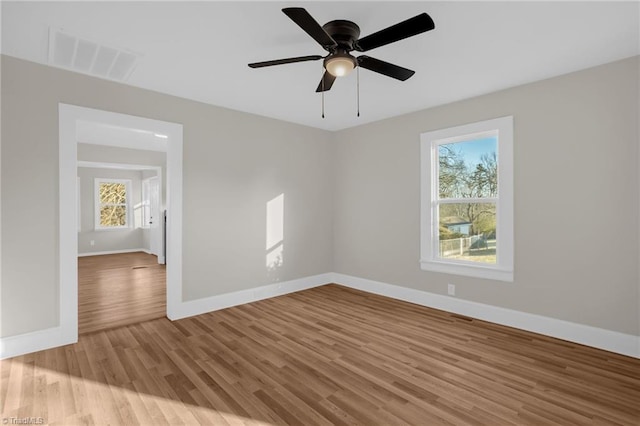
[(268, 213), (120, 224)]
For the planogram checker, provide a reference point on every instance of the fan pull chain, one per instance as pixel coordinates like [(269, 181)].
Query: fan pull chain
[(322, 93), (358, 88)]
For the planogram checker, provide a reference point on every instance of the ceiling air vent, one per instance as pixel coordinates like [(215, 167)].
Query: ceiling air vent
[(88, 57)]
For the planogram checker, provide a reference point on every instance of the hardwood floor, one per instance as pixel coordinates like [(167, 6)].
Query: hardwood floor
[(329, 355), (119, 289)]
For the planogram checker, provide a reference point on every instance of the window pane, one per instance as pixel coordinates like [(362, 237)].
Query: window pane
[(467, 232), (469, 168), (113, 216), (113, 193)]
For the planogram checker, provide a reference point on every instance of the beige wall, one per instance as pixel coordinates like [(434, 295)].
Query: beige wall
[(576, 198), (234, 163), (352, 198)]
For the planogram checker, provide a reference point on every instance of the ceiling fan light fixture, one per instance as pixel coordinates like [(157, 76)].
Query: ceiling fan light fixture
[(341, 37), (340, 64)]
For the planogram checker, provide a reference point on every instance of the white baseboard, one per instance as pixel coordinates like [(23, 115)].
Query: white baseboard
[(49, 338), (621, 343), (100, 253), (227, 300), (32, 342), (625, 344)]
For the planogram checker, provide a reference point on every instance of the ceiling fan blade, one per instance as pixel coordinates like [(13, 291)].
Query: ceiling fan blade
[(285, 61), (328, 82), (412, 26), (385, 68), (305, 21)]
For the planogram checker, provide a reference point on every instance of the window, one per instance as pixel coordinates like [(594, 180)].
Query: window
[(112, 203), (467, 200)]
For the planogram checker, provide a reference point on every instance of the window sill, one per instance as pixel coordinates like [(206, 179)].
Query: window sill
[(490, 273), (114, 228)]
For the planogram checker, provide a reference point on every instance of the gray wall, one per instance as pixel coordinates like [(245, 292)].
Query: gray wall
[(576, 198), (234, 163), (352, 197), (112, 239)]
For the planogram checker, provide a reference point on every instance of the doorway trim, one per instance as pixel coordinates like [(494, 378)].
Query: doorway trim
[(69, 116)]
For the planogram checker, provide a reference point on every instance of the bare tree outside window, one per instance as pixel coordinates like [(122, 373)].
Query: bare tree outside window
[(113, 208), (468, 186)]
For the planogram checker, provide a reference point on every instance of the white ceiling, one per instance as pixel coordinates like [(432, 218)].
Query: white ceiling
[(200, 50)]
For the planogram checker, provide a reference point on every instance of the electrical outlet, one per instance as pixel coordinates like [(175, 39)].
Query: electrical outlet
[(92, 242), (451, 289)]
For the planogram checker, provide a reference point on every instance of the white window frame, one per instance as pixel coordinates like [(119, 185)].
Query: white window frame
[(96, 197), (429, 235)]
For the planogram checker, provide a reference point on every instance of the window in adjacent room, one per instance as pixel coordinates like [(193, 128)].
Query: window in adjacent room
[(112, 203), (467, 200)]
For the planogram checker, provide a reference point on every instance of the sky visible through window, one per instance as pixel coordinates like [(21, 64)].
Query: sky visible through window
[(472, 150)]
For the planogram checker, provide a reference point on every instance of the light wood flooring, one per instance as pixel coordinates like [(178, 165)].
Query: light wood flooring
[(119, 289), (328, 355)]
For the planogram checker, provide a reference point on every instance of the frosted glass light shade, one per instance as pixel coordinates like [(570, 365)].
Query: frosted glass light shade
[(340, 66)]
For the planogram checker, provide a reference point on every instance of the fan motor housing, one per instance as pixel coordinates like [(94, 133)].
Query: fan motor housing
[(345, 33)]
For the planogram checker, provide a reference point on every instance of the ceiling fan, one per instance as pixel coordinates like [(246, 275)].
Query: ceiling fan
[(340, 38)]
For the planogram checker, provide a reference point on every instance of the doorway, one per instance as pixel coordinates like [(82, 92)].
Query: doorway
[(152, 135)]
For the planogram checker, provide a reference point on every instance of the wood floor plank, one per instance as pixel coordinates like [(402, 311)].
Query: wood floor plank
[(119, 289), (328, 355)]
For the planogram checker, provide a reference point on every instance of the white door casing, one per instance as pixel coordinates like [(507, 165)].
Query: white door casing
[(155, 218), (69, 118)]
